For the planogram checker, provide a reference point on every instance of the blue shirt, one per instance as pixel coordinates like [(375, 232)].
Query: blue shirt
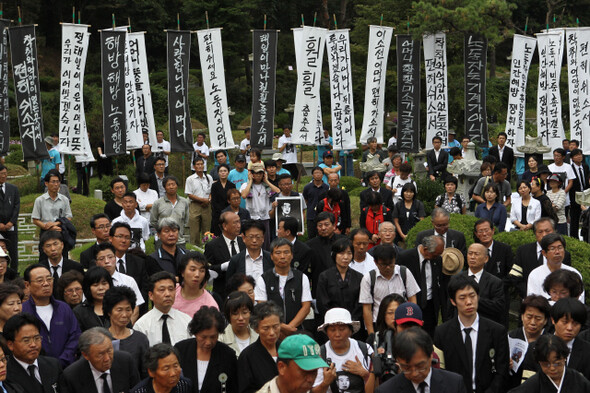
[(325, 178), (50, 163), (497, 214), (239, 178), (323, 148)]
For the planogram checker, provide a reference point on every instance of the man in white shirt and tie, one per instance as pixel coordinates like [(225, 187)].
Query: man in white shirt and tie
[(582, 173)]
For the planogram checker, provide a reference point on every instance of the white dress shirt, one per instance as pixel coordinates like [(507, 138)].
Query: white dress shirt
[(473, 334), (98, 381), (123, 280), (254, 267), (151, 325)]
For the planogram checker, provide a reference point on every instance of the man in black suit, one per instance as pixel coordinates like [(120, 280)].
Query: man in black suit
[(100, 225), (413, 352), (220, 250), (440, 220), (157, 177), (473, 346), (375, 186), (503, 153), (168, 256), (321, 246), (529, 256), (580, 184), (9, 210), (22, 336), (145, 163), (499, 263), (253, 260), (437, 160), (53, 245), (345, 219), (127, 263), (426, 266), (302, 254), (491, 291), (100, 365)]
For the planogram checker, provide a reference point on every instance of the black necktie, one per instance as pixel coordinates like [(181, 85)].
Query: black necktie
[(105, 385), (31, 369), (469, 350), (422, 387), (233, 248), (2, 191), (165, 332), (473, 277), (423, 285), (55, 276), (540, 259), (122, 267), (581, 178)]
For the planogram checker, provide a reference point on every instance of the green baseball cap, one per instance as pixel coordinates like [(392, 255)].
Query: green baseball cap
[(303, 350)]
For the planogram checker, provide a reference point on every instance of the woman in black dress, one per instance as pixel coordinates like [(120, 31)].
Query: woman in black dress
[(538, 192), (97, 282), (407, 212), (219, 197)]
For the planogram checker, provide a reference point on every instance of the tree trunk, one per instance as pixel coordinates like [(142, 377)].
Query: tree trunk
[(492, 62), (248, 70), (342, 21), (324, 15)]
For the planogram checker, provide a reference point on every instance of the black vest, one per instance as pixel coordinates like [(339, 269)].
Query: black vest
[(293, 291)]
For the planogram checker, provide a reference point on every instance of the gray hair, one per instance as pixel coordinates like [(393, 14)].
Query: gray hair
[(439, 211), (280, 241), (387, 223), (430, 243), (262, 311), (167, 222), (371, 140), (93, 336), (542, 220), (155, 353)]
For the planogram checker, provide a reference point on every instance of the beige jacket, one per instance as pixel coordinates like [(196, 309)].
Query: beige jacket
[(228, 337)]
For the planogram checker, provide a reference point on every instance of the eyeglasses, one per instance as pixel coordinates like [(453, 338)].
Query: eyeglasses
[(106, 258), (483, 230), (28, 340), (41, 281), (122, 237), (255, 237), (103, 227), (555, 248), (70, 291), (3, 359), (557, 364), (420, 368)]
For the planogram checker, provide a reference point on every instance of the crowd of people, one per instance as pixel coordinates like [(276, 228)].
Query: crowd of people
[(351, 309)]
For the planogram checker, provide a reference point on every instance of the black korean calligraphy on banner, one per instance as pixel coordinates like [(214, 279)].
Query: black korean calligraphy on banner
[(408, 94), (4, 108), (23, 45), (437, 103), (179, 118), (264, 49), (474, 59), (112, 45)]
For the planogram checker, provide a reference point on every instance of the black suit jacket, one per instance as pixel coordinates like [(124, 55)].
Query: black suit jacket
[(49, 369), (578, 186), (386, 197), (449, 338), (216, 252), (136, 268), (68, 265), (491, 297), (145, 165), (124, 374), (455, 239), (526, 261), (500, 263), (154, 184), (580, 357), (223, 360), (411, 260), (10, 205), (507, 157), (437, 167), (237, 263), (302, 256), (441, 381), (87, 256)]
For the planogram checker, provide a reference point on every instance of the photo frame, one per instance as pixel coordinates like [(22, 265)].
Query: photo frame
[(290, 207)]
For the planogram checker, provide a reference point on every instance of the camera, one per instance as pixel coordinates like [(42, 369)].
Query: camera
[(384, 364)]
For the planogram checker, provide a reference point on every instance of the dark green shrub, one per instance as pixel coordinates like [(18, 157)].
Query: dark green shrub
[(428, 190), (15, 155), (356, 192), (459, 222), (350, 183), (26, 185)]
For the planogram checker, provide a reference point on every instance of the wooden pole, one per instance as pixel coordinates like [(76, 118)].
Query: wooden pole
[(408, 25), (79, 17), (335, 22), (129, 23), (177, 21), (207, 18), (73, 14), (315, 18), (20, 18), (302, 21), (114, 25), (264, 21), (526, 25)]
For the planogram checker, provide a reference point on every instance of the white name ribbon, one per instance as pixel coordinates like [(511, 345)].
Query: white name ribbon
[(211, 54), (343, 131), (307, 97), (379, 43), (523, 49), (578, 56), (297, 40), (73, 136), (140, 75), (437, 113), (549, 123)]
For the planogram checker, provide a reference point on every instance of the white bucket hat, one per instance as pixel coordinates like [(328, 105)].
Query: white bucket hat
[(339, 316)]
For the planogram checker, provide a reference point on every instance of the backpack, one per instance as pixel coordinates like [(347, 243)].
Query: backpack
[(458, 201), (373, 277)]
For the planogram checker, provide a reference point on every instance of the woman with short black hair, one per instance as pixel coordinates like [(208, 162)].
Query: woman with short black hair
[(204, 359), (238, 334), (193, 274), (89, 313)]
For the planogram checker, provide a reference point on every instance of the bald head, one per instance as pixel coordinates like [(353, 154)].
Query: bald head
[(386, 232), (477, 256), (230, 224)]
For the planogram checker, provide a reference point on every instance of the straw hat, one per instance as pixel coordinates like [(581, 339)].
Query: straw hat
[(339, 316), (452, 261)]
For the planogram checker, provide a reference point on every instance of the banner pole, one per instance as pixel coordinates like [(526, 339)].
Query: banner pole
[(79, 17), (335, 22), (302, 21), (1, 10), (178, 21), (73, 15), (20, 19), (113, 18), (408, 25), (207, 18), (129, 23), (315, 17), (526, 25), (264, 21), (183, 171)]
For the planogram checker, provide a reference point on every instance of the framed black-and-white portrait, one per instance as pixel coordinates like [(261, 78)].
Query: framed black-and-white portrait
[(289, 207)]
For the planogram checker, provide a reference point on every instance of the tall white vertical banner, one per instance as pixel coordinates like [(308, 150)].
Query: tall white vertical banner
[(299, 49), (549, 123), (73, 136), (437, 104), (379, 43), (307, 97), (211, 54), (578, 56), (523, 49), (134, 137), (343, 131), (141, 79)]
